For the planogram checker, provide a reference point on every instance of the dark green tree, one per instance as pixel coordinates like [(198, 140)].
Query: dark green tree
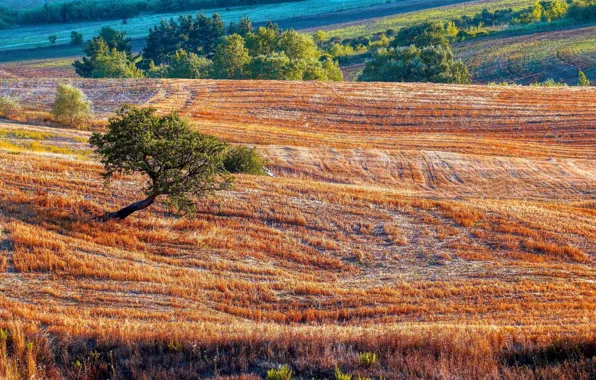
[(412, 64), (426, 34), (115, 40), (76, 38), (231, 58), (199, 35), (176, 161)]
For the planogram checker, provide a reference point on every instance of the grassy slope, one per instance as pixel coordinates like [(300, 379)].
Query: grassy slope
[(534, 57), (393, 208), (439, 13)]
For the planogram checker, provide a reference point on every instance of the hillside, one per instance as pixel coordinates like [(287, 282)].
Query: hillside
[(449, 229), (534, 57)]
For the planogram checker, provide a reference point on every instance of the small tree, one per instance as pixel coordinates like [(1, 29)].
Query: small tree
[(583, 80), (52, 38), (76, 38), (71, 106), (9, 107), (178, 162)]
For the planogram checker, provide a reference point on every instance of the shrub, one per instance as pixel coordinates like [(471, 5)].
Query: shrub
[(241, 159), (76, 38), (367, 359), (71, 106), (9, 107), (583, 80), (284, 373), (52, 38)]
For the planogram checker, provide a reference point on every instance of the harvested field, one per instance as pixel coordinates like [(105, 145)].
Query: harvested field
[(449, 229)]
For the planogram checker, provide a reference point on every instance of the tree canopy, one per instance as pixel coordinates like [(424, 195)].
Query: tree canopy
[(177, 161), (198, 47)]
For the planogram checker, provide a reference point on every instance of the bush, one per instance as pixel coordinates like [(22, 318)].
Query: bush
[(9, 107), (583, 80), (241, 159), (76, 38), (284, 373), (52, 38), (71, 106)]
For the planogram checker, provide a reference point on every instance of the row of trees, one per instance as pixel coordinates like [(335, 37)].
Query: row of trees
[(91, 10), (203, 47)]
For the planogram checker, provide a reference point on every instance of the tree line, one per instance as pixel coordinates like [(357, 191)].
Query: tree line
[(205, 47), (93, 10)]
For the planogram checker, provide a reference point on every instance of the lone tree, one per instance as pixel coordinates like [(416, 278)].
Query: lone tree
[(178, 162), (71, 106)]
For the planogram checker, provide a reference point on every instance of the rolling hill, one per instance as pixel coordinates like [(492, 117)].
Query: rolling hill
[(448, 229)]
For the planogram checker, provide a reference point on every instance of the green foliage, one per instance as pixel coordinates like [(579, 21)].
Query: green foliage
[(76, 38), (341, 376), (267, 53), (263, 41), (115, 64), (426, 34), (243, 28), (231, 58), (9, 107), (115, 40), (284, 373), (412, 64), (52, 38), (177, 161), (107, 55), (8, 17), (198, 35), (240, 159), (183, 65), (71, 106), (367, 359), (319, 37), (583, 80), (548, 83), (297, 46)]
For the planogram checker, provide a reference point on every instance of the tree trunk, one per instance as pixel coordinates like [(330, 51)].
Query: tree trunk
[(126, 211)]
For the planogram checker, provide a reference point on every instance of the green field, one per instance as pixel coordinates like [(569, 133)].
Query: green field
[(137, 27), (26, 4), (355, 29)]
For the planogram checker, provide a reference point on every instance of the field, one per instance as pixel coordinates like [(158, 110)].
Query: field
[(31, 37), (448, 229), (536, 57), (440, 13), (44, 68), (26, 4)]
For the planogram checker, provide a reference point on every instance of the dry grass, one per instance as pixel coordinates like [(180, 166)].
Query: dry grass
[(448, 234)]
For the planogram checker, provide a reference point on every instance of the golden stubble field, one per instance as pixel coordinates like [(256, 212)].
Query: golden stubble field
[(451, 230)]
